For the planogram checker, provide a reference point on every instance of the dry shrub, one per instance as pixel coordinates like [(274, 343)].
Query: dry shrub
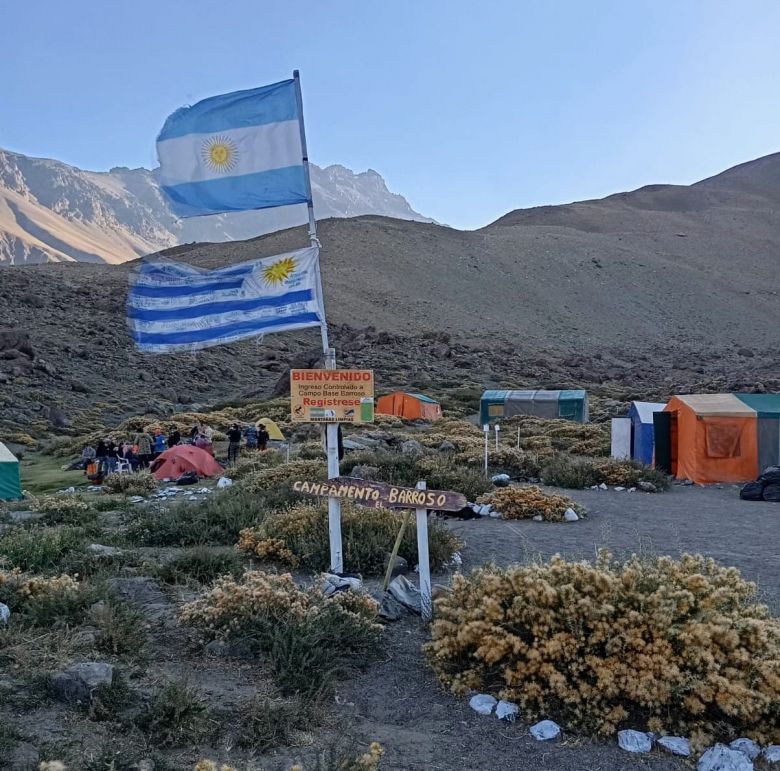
[(299, 536), (21, 438), (44, 601), (528, 502), (252, 462), (578, 473), (680, 646), (284, 476), (519, 464), (310, 639), (139, 483), (442, 473)]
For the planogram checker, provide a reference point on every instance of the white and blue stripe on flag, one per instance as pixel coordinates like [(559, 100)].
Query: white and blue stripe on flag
[(234, 152), (175, 307)]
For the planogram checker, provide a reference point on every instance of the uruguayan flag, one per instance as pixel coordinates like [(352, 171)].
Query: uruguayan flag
[(175, 307), (234, 152)]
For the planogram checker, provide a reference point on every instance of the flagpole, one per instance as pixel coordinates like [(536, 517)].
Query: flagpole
[(334, 504)]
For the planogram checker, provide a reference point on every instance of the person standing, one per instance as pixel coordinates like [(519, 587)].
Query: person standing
[(112, 455), (144, 442), (160, 443), (101, 456), (174, 437), (262, 437), (250, 432), (234, 443)]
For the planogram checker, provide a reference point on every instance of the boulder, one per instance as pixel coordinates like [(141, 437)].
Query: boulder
[(634, 741), (12, 339), (570, 515), (390, 609), (722, 758), (747, 747), (24, 516), (364, 471), (483, 703), (506, 710), (400, 565), (677, 745), (98, 550), (406, 593), (545, 731), (447, 446), (772, 753), (77, 684), (647, 487), (412, 447)]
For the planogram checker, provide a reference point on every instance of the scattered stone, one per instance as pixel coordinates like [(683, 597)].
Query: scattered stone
[(224, 482), (634, 741), (5, 613), (688, 482), (98, 550), (500, 480), (619, 489), (747, 747), (746, 352), (677, 745), (390, 609), (603, 486), (400, 565), (505, 710), (632, 489), (406, 593), (570, 515), (447, 446), (25, 516), (537, 518), (772, 753), (332, 584), (78, 683), (545, 731), (411, 447), (456, 559), (646, 487), (721, 758), (84, 638), (483, 703)]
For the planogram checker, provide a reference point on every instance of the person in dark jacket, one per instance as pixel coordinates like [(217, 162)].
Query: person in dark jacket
[(234, 446), (101, 456), (112, 455), (174, 437), (262, 437)]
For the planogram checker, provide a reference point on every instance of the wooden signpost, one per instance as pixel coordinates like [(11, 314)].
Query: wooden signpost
[(380, 494)]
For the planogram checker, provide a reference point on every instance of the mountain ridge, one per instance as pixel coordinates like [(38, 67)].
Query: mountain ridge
[(51, 211)]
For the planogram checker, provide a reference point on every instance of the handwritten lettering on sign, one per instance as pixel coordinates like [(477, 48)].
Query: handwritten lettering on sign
[(378, 494)]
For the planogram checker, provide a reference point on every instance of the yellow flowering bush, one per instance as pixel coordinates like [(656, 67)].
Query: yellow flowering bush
[(309, 638), (528, 502), (299, 536), (679, 644), (284, 476), (140, 483), (44, 601)]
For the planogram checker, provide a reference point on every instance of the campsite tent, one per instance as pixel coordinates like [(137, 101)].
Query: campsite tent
[(410, 406), (569, 405), (10, 480), (274, 432), (723, 437), (182, 458), (642, 436)]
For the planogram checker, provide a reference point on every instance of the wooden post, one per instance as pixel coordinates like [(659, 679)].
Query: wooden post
[(486, 429), (396, 547), (423, 559)]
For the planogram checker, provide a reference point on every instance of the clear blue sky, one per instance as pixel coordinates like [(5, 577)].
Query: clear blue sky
[(469, 109)]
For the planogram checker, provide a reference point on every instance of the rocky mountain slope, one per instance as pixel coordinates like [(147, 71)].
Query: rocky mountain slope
[(52, 212), (666, 289)]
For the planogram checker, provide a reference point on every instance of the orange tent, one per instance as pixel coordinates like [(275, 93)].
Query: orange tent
[(172, 463), (714, 438), (409, 406)]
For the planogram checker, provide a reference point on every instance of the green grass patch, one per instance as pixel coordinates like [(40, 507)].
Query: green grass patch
[(44, 474), (200, 565)]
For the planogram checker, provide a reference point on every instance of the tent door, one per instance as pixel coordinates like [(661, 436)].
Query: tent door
[(665, 441)]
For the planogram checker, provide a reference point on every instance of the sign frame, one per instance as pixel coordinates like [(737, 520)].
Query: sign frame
[(330, 396)]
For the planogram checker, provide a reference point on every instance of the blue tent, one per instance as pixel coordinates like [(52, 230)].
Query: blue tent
[(642, 436)]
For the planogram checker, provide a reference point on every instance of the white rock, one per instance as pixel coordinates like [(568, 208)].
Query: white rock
[(772, 753), (594, 487), (5, 613), (602, 486), (570, 515), (99, 550), (721, 758), (537, 518), (192, 497), (505, 710), (545, 731), (676, 745), (632, 489), (482, 703), (747, 747), (619, 489), (456, 558), (634, 741), (136, 499)]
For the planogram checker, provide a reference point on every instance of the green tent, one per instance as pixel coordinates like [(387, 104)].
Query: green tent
[(10, 481)]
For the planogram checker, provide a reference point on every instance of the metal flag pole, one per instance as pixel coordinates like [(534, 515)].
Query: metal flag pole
[(334, 504)]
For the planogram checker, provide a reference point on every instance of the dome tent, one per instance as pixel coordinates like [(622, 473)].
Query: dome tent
[(183, 458)]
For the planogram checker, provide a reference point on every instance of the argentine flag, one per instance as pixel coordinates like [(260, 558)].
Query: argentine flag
[(234, 152), (176, 307)]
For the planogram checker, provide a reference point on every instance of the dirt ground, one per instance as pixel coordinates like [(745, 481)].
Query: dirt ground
[(398, 702)]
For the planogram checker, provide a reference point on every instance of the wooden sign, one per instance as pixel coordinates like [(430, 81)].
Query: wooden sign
[(381, 494), (332, 395)]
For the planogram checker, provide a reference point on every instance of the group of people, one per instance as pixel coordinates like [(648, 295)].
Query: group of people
[(106, 456), (256, 438)]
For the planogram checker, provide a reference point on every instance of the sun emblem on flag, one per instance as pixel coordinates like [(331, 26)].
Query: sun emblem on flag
[(278, 272), (220, 153)]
